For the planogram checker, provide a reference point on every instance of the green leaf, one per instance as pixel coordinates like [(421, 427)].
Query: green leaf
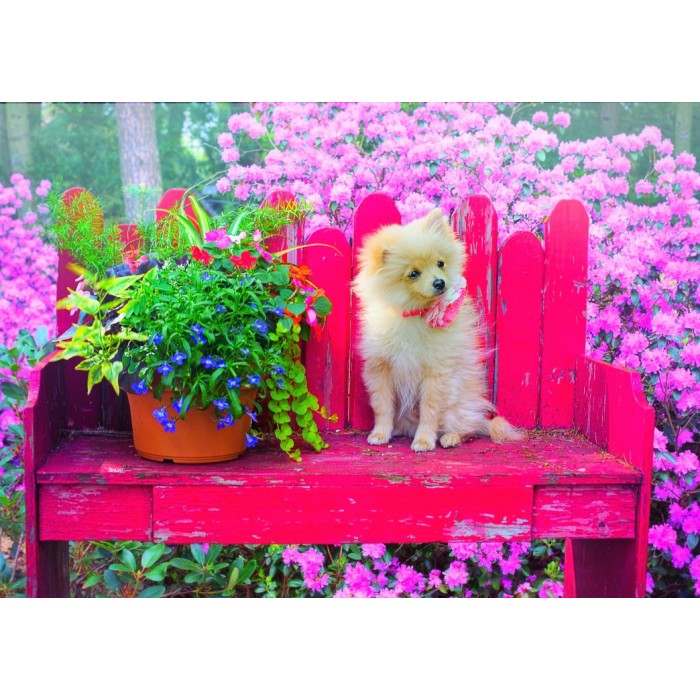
[(185, 564), (112, 580), (198, 553), (322, 306), (12, 391), (152, 555), (92, 580), (128, 559), (152, 592)]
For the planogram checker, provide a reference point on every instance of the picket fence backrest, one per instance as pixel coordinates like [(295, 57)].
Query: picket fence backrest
[(531, 299)]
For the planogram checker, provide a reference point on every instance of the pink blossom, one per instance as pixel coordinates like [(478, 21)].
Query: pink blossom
[(456, 575), (562, 119), (663, 537), (551, 589)]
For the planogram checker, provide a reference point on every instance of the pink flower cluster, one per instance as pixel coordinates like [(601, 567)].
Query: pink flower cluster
[(28, 270), (643, 311)]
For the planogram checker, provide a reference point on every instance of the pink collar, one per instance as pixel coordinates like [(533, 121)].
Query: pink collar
[(444, 309)]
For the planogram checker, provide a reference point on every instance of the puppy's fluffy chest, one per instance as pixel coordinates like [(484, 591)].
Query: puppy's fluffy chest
[(409, 345)]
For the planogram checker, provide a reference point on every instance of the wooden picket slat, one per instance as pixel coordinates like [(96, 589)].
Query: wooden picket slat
[(171, 198), (519, 328), (292, 235), (564, 310), (475, 222), (374, 211), (327, 360)]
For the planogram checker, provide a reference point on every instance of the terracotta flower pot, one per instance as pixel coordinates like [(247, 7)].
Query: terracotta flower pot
[(196, 439)]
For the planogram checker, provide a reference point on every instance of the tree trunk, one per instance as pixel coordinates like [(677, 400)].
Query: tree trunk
[(5, 171), (609, 118), (17, 115), (139, 161), (684, 126)]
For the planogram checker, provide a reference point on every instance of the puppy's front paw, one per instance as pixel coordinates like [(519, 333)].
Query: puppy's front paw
[(423, 444), (378, 437), (450, 440)]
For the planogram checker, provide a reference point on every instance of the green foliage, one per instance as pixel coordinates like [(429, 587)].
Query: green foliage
[(214, 317)]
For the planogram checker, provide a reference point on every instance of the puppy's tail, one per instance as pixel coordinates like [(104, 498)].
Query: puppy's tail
[(500, 430)]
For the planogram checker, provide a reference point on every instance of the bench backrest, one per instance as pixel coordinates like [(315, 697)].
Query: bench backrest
[(531, 300)]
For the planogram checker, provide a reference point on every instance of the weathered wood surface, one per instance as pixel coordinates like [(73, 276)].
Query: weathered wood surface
[(564, 314), (519, 329), (591, 486), (612, 412), (556, 485), (374, 212), (476, 224), (328, 255)]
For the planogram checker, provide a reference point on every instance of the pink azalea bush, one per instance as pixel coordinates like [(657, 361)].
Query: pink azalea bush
[(28, 270), (643, 310)]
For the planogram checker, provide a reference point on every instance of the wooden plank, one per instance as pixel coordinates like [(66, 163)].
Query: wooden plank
[(564, 311), (394, 513), (544, 458), (612, 409), (42, 426), (289, 236), (475, 222), (327, 357), (519, 329), (584, 511), (374, 211), (590, 400), (69, 512), (130, 238)]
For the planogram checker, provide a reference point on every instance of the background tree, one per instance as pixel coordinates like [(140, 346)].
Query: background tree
[(18, 136), (139, 162), (4, 146)]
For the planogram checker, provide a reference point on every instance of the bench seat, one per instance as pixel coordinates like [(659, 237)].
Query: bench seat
[(553, 484)]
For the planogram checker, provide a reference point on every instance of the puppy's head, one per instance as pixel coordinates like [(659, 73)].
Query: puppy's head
[(411, 266)]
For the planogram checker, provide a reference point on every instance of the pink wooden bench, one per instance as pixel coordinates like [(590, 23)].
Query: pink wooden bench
[(583, 474)]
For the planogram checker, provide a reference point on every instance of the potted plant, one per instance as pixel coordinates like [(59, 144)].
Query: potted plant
[(200, 323)]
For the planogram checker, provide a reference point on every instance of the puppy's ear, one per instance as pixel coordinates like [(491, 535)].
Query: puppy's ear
[(374, 254), (436, 221)]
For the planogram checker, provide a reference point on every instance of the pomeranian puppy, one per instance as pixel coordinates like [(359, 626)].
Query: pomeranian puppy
[(423, 367)]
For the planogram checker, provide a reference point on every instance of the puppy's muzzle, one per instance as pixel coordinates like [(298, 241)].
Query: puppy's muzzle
[(439, 286)]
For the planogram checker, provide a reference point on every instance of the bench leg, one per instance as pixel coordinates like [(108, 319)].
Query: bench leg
[(47, 570), (614, 568)]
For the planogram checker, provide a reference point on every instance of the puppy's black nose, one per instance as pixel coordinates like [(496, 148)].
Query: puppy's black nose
[(439, 285)]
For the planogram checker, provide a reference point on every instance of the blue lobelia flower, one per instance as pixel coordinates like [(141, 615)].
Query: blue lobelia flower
[(157, 339), (234, 383), (177, 405), (278, 311), (140, 387), (197, 334), (165, 369), (221, 404), (169, 426), (252, 415), (225, 421), (221, 308), (279, 370), (251, 440), (161, 415), (178, 358), (260, 327), (254, 379)]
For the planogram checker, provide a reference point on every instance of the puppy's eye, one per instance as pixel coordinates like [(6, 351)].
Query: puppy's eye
[(441, 263), (413, 275)]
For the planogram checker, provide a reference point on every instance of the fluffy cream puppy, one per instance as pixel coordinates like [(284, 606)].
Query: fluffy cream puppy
[(423, 367)]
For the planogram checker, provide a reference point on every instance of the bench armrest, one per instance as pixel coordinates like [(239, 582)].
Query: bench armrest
[(44, 413), (611, 410)]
